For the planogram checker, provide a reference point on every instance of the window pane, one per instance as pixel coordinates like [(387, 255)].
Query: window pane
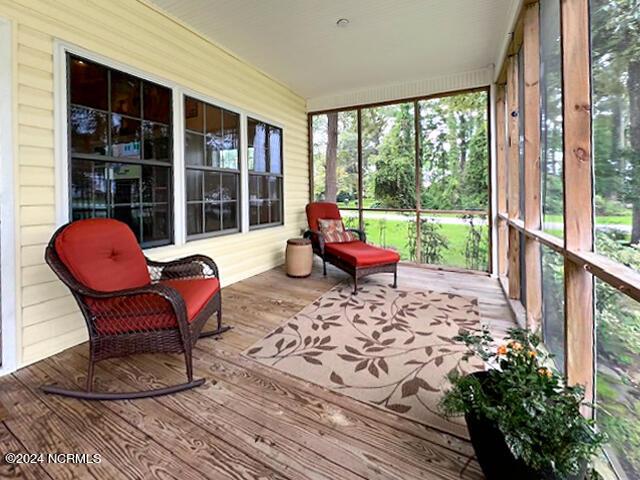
[(88, 189), (553, 304), (125, 183), (335, 158), (454, 240), (212, 217), (275, 153), (155, 223), (229, 215), (157, 141), (194, 218), (88, 84), (253, 212), (231, 139), (229, 186), (391, 230), (125, 137), (125, 94), (130, 216), (551, 146), (194, 115), (388, 156), (157, 103), (257, 157), (193, 149), (618, 377), (88, 131), (155, 184), (194, 185), (214, 135), (211, 186), (616, 125), (455, 155), (213, 146), (276, 216)]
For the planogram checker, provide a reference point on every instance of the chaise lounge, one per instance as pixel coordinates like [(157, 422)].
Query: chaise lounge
[(343, 249)]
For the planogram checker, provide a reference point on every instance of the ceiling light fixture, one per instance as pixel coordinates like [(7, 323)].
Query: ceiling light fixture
[(342, 22)]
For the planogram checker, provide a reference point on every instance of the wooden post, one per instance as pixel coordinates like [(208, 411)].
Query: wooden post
[(501, 175), (578, 192), (418, 169), (513, 174), (532, 214)]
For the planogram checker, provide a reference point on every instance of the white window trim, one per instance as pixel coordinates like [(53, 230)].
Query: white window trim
[(8, 272), (61, 49)]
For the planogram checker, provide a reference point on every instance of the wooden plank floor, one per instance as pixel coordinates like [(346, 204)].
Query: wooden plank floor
[(248, 421)]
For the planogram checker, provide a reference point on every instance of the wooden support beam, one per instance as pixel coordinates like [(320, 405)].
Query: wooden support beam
[(501, 176), (513, 200), (578, 191), (532, 207)]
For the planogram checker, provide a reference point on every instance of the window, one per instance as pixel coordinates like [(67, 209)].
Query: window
[(553, 304), (430, 204), (120, 154), (265, 174), (551, 146), (212, 153), (618, 360), (335, 158)]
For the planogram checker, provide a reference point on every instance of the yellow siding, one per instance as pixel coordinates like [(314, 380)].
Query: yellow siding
[(130, 32)]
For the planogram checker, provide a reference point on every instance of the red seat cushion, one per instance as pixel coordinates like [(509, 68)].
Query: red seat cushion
[(325, 210), (103, 254), (118, 315), (361, 254)]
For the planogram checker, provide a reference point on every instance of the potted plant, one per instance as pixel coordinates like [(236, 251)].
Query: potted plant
[(524, 421)]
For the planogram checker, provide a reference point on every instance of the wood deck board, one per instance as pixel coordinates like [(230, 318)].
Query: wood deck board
[(248, 421)]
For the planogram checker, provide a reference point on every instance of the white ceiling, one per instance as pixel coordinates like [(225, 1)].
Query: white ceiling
[(387, 41)]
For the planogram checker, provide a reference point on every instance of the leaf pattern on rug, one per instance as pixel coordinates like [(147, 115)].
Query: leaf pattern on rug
[(392, 348)]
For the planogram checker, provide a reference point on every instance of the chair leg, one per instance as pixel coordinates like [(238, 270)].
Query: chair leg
[(355, 284), (395, 278), (219, 330), (90, 376), (90, 394), (324, 267)]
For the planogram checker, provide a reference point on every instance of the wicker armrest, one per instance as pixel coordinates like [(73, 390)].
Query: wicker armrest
[(317, 239), (361, 234), (193, 266)]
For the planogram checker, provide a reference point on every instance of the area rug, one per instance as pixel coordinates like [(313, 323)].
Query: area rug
[(392, 348)]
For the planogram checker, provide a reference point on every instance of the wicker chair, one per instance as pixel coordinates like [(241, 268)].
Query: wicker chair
[(357, 258), (132, 304)]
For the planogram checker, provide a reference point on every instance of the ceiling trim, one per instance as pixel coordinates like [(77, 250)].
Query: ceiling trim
[(419, 88)]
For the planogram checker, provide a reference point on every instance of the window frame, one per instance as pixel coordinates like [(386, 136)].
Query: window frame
[(267, 173)]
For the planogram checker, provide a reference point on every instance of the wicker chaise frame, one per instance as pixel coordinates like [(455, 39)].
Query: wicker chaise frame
[(317, 243), (179, 339)]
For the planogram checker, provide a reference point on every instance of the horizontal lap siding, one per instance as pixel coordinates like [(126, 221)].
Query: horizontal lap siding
[(134, 34)]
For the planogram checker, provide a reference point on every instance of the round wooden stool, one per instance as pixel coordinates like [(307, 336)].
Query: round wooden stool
[(299, 257)]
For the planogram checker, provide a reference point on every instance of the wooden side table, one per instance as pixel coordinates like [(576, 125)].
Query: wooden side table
[(299, 257)]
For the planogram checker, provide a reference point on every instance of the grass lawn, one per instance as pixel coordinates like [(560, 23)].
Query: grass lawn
[(394, 234), (600, 219)]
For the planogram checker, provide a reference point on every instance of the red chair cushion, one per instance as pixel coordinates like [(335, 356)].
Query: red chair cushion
[(103, 254), (324, 210), (118, 315), (361, 254)]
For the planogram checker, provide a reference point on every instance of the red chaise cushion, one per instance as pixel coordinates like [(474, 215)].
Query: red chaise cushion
[(361, 254), (325, 210), (116, 316), (103, 254)]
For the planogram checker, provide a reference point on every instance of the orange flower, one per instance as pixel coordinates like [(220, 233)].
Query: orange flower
[(532, 353), (515, 345), (502, 350), (545, 371)]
